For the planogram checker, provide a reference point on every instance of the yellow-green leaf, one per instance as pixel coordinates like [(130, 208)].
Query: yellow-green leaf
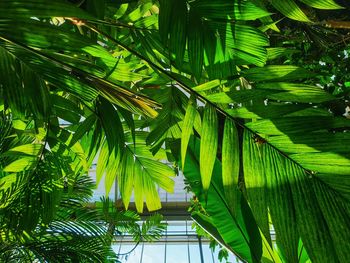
[(209, 145), (230, 162), (20, 165), (187, 128)]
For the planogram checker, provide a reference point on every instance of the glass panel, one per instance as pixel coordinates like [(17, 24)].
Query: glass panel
[(176, 228), (133, 257), (207, 253), (153, 253), (195, 255), (176, 253)]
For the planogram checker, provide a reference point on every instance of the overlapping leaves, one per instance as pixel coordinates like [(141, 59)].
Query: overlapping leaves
[(288, 136), (214, 36)]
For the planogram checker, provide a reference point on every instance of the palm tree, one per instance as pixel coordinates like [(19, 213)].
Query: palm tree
[(46, 214), (258, 136)]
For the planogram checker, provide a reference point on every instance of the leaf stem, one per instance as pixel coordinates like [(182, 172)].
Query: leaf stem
[(189, 90)]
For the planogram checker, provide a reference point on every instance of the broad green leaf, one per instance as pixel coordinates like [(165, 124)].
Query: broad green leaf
[(324, 162), (255, 180), (336, 213), (121, 11), (20, 165), (260, 110), (165, 19), (340, 183), (102, 161), (280, 204), (277, 52), (245, 95), (147, 22), (297, 125), (230, 162), (139, 12), (37, 92), (160, 173), (33, 149), (151, 193), (322, 141), (111, 124), (268, 22), (296, 92), (226, 10), (178, 30), (315, 235), (85, 83), (10, 83), (125, 177), (195, 43), (209, 144), (276, 73), (187, 127), (239, 230), (208, 85), (290, 9), (139, 189), (322, 4), (114, 163), (248, 43)]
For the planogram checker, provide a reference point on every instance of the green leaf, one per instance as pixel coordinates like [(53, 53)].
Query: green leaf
[(280, 203), (114, 163), (255, 181), (195, 43), (20, 165), (258, 111), (276, 73), (277, 52), (324, 162), (37, 92), (296, 92), (140, 170), (209, 144), (10, 84), (102, 161), (208, 85), (178, 30), (315, 235), (230, 162), (290, 9), (111, 124), (239, 230), (165, 18), (33, 149), (322, 4), (139, 12), (336, 213), (187, 127), (83, 128), (297, 125)]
